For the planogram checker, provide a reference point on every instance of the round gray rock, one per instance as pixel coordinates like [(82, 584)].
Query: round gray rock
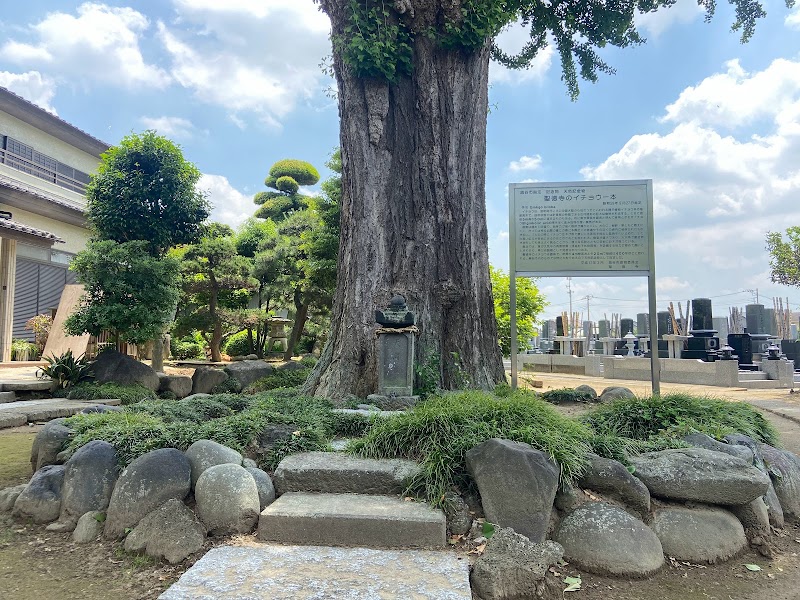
[(616, 393), (144, 485), (590, 392), (48, 443), (266, 490), (701, 440), (700, 475), (88, 528), (248, 371), (605, 539), (785, 467), (8, 496), (207, 453), (700, 535), (206, 379), (171, 532), (612, 478), (41, 498), (227, 500), (89, 478), (113, 366)]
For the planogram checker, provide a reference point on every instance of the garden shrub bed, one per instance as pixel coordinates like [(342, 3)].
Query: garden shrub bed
[(126, 394), (280, 378)]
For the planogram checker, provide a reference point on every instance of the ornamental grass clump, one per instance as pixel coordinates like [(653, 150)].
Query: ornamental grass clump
[(439, 432), (664, 420)]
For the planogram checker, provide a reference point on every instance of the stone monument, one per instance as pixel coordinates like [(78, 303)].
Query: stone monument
[(395, 357)]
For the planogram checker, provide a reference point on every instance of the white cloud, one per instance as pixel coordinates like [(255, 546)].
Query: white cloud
[(502, 236), (32, 86), (793, 19), (716, 195), (737, 98), (99, 43), (525, 163), (172, 127), (248, 56), (653, 24), (230, 206)]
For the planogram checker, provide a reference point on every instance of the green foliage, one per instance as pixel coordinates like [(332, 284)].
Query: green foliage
[(784, 257), (282, 378), (352, 425), (301, 171), (287, 184), (229, 386), (376, 41), (439, 432), (145, 190), (189, 347), (66, 370), (24, 350), (672, 416), (230, 420), (238, 344), (40, 326), (565, 395), (428, 374), (530, 304), (127, 291), (126, 394), (309, 361), (378, 37)]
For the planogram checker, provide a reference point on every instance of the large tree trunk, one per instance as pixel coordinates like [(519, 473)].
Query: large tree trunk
[(413, 218), (300, 318)]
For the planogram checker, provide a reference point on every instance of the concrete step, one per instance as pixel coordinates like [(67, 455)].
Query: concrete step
[(295, 572), (338, 473), (6, 397), (352, 520), (26, 385), (752, 376)]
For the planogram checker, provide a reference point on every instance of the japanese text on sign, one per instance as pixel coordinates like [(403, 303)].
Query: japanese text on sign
[(585, 227)]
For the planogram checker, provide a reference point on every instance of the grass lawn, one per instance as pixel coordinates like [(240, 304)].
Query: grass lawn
[(15, 457)]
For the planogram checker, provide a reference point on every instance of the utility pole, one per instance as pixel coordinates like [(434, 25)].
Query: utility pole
[(569, 290)]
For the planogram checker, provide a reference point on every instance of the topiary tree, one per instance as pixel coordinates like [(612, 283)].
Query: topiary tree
[(412, 79), (285, 177)]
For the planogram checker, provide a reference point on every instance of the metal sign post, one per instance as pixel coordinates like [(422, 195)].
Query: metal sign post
[(582, 229)]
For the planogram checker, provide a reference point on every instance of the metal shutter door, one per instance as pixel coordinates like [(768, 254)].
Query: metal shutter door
[(25, 297)]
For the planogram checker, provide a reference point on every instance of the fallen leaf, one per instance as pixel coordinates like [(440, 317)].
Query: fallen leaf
[(752, 567)]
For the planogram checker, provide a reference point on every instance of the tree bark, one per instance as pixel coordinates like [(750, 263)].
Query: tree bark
[(413, 219), (300, 318)]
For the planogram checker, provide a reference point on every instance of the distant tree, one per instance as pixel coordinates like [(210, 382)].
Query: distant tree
[(215, 278), (530, 304), (129, 291), (145, 190), (285, 178), (784, 256)]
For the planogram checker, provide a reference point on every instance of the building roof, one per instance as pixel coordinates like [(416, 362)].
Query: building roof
[(7, 225), (19, 186), (28, 112), (18, 194)]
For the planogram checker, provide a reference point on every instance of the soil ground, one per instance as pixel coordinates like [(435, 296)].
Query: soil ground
[(39, 565)]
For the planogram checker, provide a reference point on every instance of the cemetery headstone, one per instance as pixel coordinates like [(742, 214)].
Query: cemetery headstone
[(754, 315)]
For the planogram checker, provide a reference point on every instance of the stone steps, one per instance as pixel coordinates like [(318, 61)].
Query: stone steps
[(339, 473), (351, 520), (752, 376), (6, 397), (26, 385)]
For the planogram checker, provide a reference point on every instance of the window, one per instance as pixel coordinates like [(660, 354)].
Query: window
[(23, 158)]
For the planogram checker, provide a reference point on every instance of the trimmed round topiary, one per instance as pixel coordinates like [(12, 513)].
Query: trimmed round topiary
[(270, 181), (302, 172), (275, 207), (287, 184)]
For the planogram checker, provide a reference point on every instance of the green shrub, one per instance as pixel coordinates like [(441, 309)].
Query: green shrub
[(24, 350), (439, 432), (351, 425), (672, 416), (229, 386), (302, 172), (127, 394), (238, 345), (187, 348), (309, 361), (566, 395), (282, 378)]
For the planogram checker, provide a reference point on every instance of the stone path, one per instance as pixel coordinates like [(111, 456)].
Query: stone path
[(323, 573), (15, 414)]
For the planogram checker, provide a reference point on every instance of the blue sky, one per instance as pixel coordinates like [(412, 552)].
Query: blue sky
[(237, 84)]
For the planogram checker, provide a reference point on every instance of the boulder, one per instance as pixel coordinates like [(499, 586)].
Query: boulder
[(774, 508), (101, 408), (144, 485), (784, 469), (266, 491), (116, 367), (266, 439), (517, 485), (227, 500), (699, 535), (8, 497), (292, 365), (89, 527), (456, 511), (180, 385), (171, 532), (589, 391), (206, 379), (41, 498), (207, 453), (700, 475), (603, 538), (89, 478), (50, 440), (246, 372), (701, 440), (616, 393), (568, 498), (611, 478), (513, 567), (754, 517), (249, 463)]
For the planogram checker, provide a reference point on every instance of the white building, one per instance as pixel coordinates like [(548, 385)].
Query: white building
[(44, 167)]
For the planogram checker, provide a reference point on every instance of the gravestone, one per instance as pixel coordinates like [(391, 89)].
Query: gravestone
[(703, 344), (604, 328), (754, 315), (642, 325), (770, 326), (395, 357)]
